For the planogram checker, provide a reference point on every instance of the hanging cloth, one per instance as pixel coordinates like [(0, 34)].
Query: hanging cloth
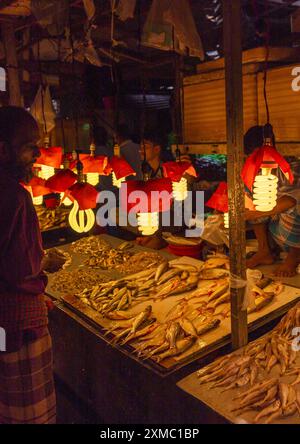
[(42, 109), (125, 9), (170, 26)]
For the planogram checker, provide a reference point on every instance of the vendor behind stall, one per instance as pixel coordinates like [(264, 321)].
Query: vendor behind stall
[(27, 389), (280, 226)]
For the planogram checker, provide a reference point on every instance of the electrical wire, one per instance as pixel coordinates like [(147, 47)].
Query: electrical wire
[(267, 47)]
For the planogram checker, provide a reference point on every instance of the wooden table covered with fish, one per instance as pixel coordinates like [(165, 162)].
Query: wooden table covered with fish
[(259, 383), (127, 311)]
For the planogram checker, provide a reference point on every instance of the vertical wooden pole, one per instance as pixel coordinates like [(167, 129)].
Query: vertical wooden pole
[(235, 153), (8, 32)]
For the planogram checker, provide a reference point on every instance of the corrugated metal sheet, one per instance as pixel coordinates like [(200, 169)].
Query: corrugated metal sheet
[(204, 109), (284, 104)]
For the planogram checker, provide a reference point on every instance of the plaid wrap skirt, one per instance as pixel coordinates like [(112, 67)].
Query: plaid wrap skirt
[(27, 394)]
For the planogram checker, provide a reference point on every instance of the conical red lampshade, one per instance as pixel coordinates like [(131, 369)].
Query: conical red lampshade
[(145, 189), (62, 180), (120, 167), (175, 170), (265, 156), (93, 164), (50, 157), (85, 194), (219, 200), (39, 187)]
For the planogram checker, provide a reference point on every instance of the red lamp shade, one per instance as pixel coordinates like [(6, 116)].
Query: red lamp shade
[(140, 204), (61, 181), (93, 164), (50, 157), (51, 202), (175, 170), (219, 200), (85, 194), (266, 156), (120, 167), (38, 187)]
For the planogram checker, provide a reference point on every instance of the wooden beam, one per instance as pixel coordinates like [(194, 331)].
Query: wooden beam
[(8, 33), (234, 116)]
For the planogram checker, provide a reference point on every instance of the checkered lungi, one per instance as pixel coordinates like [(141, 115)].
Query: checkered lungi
[(27, 393)]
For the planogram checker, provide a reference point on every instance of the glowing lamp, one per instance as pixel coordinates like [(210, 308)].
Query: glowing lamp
[(120, 169), (82, 217), (257, 173), (81, 221), (93, 166), (176, 172), (148, 223), (60, 182), (50, 158), (219, 202), (38, 188), (147, 200)]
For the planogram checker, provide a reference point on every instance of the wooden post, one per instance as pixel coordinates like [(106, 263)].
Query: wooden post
[(235, 160), (8, 32)]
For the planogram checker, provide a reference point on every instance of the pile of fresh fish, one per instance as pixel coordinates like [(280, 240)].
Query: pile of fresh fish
[(90, 245), (142, 260), (155, 283), (109, 257), (155, 340), (274, 353), (272, 399)]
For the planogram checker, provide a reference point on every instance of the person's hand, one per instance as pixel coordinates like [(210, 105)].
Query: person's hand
[(53, 260), (252, 215), (155, 242)]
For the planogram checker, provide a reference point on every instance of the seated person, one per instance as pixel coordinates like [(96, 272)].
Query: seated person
[(280, 225)]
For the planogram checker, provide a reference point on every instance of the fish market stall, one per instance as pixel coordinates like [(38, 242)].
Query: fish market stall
[(161, 321), (258, 383)]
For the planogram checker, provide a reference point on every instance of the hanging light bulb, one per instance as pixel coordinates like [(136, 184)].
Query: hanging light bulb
[(81, 221), (117, 182), (65, 200), (92, 178), (226, 220), (257, 172), (180, 190), (37, 200), (148, 223), (46, 172), (265, 190)]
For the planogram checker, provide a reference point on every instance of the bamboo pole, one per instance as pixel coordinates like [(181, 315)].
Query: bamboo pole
[(8, 32), (235, 159)]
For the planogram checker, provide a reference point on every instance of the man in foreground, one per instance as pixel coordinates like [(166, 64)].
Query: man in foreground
[(27, 390)]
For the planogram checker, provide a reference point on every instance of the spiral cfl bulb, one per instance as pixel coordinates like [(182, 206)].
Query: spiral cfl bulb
[(66, 201), (92, 178), (148, 223), (265, 191), (226, 220), (180, 190), (117, 182), (37, 200), (47, 172), (81, 221)]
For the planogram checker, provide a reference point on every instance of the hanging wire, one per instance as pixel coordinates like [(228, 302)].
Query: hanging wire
[(42, 87), (74, 114), (61, 120), (267, 46)]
